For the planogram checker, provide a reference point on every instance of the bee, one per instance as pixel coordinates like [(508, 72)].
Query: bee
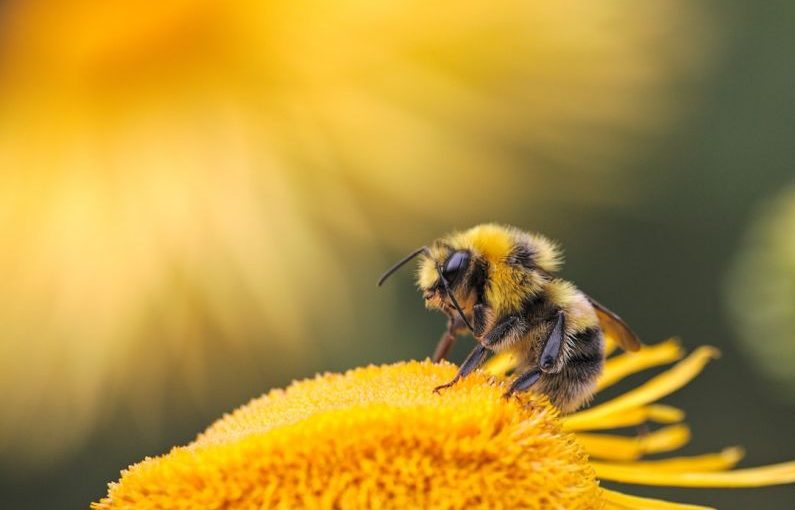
[(499, 283)]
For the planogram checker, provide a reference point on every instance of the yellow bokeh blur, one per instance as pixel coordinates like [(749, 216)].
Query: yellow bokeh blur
[(176, 168), (761, 292)]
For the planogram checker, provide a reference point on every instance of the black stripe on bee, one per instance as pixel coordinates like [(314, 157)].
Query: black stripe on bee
[(538, 308), (586, 355), (479, 278), (521, 255), (574, 384)]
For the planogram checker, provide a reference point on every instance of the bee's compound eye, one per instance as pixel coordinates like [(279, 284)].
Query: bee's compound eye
[(454, 263)]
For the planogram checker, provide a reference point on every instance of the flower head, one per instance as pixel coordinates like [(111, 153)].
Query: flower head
[(373, 437), (377, 437)]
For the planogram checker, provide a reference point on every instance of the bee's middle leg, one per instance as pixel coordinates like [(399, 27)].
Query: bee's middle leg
[(473, 361)]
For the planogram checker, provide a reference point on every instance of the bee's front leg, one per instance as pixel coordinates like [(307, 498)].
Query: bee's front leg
[(473, 361)]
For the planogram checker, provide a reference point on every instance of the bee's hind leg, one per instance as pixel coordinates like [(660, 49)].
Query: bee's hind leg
[(524, 381), (473, 361), (550, 355)]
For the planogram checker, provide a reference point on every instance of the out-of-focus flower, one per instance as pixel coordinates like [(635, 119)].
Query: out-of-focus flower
[(761, 293), (377, 437), (174, 172)]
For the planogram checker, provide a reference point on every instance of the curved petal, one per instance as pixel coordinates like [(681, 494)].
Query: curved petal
[(654, 389), (611, 447), (648, 356), (774, 474), (618, 501), (656, 412)]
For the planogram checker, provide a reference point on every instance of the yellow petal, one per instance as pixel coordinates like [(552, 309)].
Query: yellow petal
[(629, 363), (721, 461), (753, 477), (611, 447), (619, 501), (499, 364), (656, 412), (657, 387)]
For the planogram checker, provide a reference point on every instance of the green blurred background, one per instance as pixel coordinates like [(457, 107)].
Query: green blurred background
[(196, 199)]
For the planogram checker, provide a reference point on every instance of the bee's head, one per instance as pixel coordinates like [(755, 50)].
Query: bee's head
[(444, 278), (490, 263), (446, 271)]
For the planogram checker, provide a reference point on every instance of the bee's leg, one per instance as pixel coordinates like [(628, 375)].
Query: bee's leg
[(478, 319), (473, 361), (510, 325), (524, 381), (454, 326), (443, 347), (548, 358)]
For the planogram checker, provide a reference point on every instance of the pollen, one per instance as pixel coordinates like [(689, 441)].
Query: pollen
[(374, 437)]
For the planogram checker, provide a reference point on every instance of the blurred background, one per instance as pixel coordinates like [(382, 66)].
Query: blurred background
[(196, 198)]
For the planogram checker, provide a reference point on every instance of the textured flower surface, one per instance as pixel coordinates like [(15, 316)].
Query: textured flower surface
[(377, 437)]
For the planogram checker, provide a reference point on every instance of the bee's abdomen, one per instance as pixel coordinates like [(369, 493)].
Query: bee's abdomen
[(587, 355), (576, 382)]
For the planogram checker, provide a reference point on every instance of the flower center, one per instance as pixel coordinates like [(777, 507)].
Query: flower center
[(375, 437)]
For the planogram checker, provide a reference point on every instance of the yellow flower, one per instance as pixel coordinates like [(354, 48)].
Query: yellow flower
[(377, 437)]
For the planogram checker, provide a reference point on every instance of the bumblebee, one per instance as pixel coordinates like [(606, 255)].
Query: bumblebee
[(499, 283)]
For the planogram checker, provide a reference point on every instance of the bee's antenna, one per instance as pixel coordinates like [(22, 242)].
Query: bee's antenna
[(455, 303), (400, 264)]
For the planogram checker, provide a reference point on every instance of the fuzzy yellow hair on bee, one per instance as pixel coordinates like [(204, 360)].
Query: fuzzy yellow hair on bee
[(507, 251), (498, 243), (500, 283)]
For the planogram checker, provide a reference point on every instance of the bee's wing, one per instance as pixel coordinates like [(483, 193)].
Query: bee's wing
[(615, 327)]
